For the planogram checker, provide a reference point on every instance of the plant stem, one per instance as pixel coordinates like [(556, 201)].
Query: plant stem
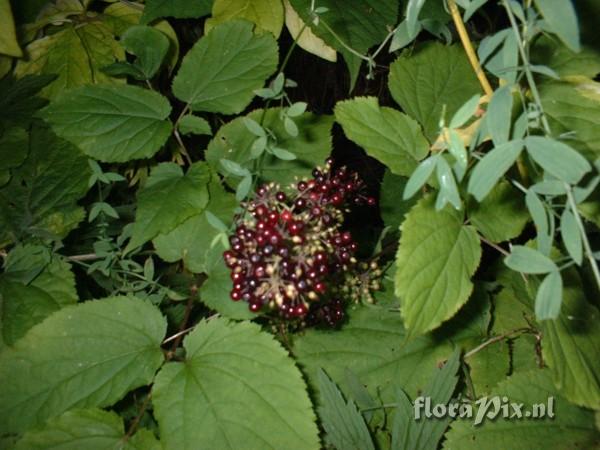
[(136, 422), (342, 43), (526, 67), (468, 46), (586, 243), (85, 257), (495, 339)]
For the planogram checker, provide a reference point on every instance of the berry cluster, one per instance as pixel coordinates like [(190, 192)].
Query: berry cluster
[(289, 254)]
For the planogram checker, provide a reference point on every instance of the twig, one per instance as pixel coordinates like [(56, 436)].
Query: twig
[(176, 335), (182, 146), (136, 422), (494, 246), (586, 243), (85, 257), (496, 339), (468, 46), (186, 318)]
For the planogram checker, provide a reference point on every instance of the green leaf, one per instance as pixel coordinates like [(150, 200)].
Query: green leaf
[(344, 425), (190, 241), (18, 98), (9, 45), (571, 236), (254, 127), (410, 433), (374, 345), (112, 124), (561, 20), (391, 204), (575, 107), (215, 291), (360, 24), (149, 45), (233, 141), (283, 154), (42, 194), (234, 168), (502, 215), (27, 303), (387, 135), (571, 343), (528, 260), (562, 60), (492, 167), (222, 70), (432, 78), (89, 429), (266, 14), (180, 9), (448, 189), (540, 218), (571, 427), (436, 258), (243, 188), (65, 361), (76, 54), (465, 112), (237, 388), (557, 158), (549, 297), (419, 177), (157, 212), (191, 124), (498, 116)]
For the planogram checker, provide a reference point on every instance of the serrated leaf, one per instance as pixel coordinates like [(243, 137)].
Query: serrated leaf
[(76, 54), (19, 99), (312, 145), (528, 260), (374, 345), (570, 345), (149, 45), (386, 134), (65, 362), (359, 24), (574, 107), (435, 77), (89, 429), (571, 427), (9, 44), (498, 116), (222, 70), (565, 62), (571, 236), (112, 124), (436, 258), (562, 20), (392, 209), (191, 124), (236, 388), (215, 291), (492, 167), (307, 40), (502, 215), (344, 425), (557, 158), (409, 433), (41, 197), (180, 9), (266, 14), (27, 303), (549, 297), (157, 212)]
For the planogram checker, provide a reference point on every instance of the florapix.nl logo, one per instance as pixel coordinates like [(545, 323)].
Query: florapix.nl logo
[(485, 408)]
